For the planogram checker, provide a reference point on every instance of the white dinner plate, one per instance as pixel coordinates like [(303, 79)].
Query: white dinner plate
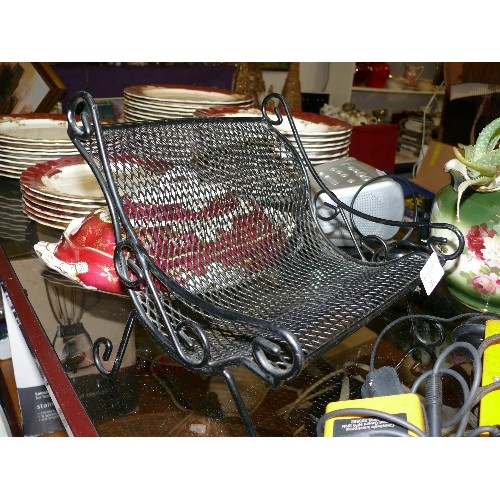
[(67, 178), (68, 204), (41, 129), (186, 94), (58, 210), (45, 221)]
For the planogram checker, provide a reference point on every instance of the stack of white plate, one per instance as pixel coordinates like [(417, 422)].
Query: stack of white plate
[(324, 138), (58, 191), (155, 102), (28, 139)]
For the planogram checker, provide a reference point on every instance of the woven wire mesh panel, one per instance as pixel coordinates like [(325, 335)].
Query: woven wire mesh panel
[(222, 207)]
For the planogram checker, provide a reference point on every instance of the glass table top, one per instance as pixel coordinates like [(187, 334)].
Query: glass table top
[(153, 396)]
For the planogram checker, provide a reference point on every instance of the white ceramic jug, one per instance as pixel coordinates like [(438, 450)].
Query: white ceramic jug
[(412, 74)]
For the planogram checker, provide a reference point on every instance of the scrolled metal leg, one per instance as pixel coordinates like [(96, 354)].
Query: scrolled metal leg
[(108, 348), (240, 404)]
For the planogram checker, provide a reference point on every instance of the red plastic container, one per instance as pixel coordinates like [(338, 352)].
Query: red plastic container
[(379, 73), (375, 145)]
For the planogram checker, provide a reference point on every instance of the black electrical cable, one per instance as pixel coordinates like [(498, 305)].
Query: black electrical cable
[(465, 389), (447, 371), (434, 403), (412, 317), (492, 430), (482, 391), (463, 413), (432, 411), (487, 342)]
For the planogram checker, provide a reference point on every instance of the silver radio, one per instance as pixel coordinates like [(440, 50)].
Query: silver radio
[(351, 179)]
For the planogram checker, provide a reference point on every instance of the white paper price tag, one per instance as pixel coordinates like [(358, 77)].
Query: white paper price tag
[(431, 273)]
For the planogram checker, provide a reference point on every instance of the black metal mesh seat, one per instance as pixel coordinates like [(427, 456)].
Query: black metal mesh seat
[(220, 248)]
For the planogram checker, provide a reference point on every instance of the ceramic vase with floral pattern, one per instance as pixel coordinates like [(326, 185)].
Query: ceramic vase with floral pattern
[(474, 277)]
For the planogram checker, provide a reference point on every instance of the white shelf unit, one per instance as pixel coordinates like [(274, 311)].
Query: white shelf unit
[(341, 90), (437, 91)]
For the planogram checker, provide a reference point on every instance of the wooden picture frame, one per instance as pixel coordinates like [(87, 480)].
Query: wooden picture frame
[(27, 87)]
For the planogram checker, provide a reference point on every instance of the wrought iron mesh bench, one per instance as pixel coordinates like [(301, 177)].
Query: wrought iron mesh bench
[(220, 249)]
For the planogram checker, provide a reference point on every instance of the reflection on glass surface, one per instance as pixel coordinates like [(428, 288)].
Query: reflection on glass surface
[(72, 342), (153, 396)]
